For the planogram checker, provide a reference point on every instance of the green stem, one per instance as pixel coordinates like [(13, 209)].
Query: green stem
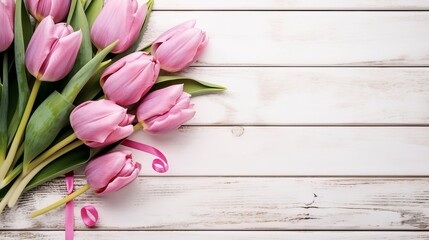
[(22, 184), (5, 199), (18, 155), (12, 175), (49, 153), (60, 202), (20, 132)]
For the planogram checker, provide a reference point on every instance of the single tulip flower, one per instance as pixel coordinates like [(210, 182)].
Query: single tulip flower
[(180, 46), (126, 81), (111, 172), (118, 20), (165, 109), (52, 50), (7, 15), (100, 123), (105, 174), (40, 9)]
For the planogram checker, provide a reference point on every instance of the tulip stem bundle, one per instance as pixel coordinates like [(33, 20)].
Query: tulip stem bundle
[(20, 132)]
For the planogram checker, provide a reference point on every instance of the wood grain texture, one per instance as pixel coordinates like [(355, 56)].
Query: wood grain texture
[(308, 96), (231, 203), (306, 38), (290, 151), (292, 5), (217, 235)]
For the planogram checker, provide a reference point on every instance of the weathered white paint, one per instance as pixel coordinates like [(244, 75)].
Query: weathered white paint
[(283, 95), (306, 38), (231, 203), (292, 5), (286, 151), (216, 235)]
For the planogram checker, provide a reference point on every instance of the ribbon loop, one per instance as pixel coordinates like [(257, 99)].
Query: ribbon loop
[(85, 216), (159, 164)]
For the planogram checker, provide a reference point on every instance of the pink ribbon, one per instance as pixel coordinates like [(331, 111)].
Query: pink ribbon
[(159, 164), (85, 216), (69, 221)]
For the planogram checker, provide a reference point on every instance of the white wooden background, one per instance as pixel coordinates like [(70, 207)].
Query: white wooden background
[(322, 134)]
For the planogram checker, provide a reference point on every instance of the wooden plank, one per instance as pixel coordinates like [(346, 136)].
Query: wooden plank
[(291, 151), (216, 235), (301, 96), (231, 203), (292, 5), (306, 38)]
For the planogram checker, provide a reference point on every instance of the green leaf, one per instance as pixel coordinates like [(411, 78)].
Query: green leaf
[(71, 11), (92, 10), (4, 108), (92, 87), (79, 80), (23, 32), (64, 164), (87, 3), (44, 125), (79, 21), (191, 86)]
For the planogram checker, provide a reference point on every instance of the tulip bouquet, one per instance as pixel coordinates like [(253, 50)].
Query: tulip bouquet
[(91, 86)]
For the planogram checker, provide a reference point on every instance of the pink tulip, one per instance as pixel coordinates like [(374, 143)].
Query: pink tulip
[(52, 50), (165, 109), (111, 172), (40, 9), (7, 14), (100, 123), (118, 20), (180, 46), (126, 81)]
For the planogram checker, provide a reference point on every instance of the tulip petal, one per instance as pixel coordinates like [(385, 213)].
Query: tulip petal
[(43, 9), (116, 21), (128, 85), (203, 45), (6, 33), (118, 134), (94, 121), (62, 58), (101, 170), (178, 52), (118, 65), (134, 29), (172, 31), (40, 46), (159, 102), (121, 182), (171, 122), (59, 9)]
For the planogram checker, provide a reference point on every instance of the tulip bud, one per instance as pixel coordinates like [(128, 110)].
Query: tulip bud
[(7, 14), (126, 81), (118, 20), (111, 172), (40, 9), (165, 109), (52, 50), (100, 123), (180, 46)]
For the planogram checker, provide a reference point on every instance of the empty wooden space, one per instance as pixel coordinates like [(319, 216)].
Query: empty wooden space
[(323, 132)]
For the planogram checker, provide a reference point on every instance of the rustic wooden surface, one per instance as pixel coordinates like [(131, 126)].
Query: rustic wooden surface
[(322, 134)]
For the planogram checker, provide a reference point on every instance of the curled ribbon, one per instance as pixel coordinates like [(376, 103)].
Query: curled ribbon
[(85, 216), (159, 164)]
